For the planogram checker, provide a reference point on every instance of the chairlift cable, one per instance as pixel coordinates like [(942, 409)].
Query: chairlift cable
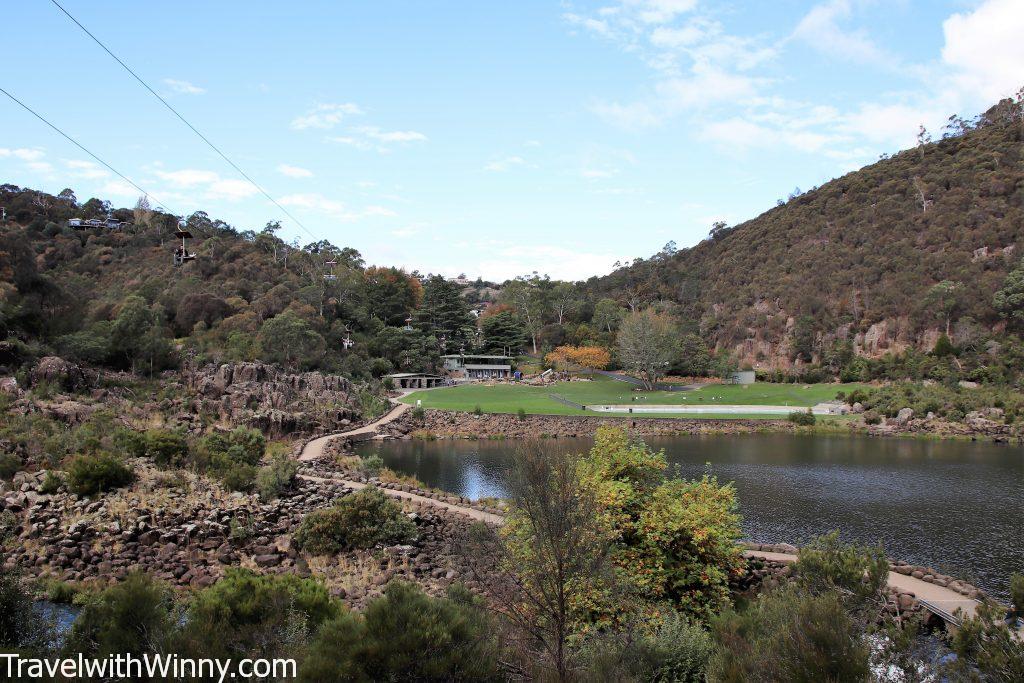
[(183, 119), (82, 147)]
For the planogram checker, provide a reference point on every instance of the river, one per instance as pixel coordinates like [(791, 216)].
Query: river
[(955, 506)]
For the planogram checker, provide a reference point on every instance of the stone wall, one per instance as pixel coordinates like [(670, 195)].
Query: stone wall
[(445, 424)]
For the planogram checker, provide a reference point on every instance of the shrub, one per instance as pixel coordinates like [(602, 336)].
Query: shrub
[(131, 616), (788, 636), (477, 410), (872, 418), (1017, 594), (277, 477), (406, 635), (238, 477), (255, 615), (130, 442), (804, 418), (521, 414), (9, 465), (168, 449), (673, 650), (20, 626), (371, 464), (987, 648), (418, 413), (92, 474), (239, 446), (361, 520), (856, 572), (60, 592), (51, 483), (8, 525)]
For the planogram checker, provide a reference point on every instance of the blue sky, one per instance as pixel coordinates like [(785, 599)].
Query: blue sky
[(491, 138)]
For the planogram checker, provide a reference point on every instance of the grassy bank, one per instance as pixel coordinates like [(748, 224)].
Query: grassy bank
[(510, 398)]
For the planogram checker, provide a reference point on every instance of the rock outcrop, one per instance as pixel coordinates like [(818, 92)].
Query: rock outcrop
[(58, 373), (272, 399)]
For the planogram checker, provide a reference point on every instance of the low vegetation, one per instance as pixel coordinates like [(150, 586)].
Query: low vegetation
[(361, 520)]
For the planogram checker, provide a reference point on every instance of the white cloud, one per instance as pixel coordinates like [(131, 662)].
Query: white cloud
[(23, 153), (820, 28), (501, 260), (188, 177), (325, 115), (117, 188), (676, 37), (85, 169), (294, 171), (598, 173), (985, 48), (313, 201), (183, 87), (594, 25), (385, 136), (231, 189), (632, 116), (372, 137), (505, 164), (208, 183)]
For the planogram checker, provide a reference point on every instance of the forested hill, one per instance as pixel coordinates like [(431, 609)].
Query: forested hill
[(885, 256), (112, 296)]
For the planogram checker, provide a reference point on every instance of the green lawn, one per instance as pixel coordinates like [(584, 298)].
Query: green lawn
[(509, 398)]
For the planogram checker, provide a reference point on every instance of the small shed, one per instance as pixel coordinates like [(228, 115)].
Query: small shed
[(415, 380), (743, 377)]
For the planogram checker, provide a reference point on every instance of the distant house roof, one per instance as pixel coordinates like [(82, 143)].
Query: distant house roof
[(475, 355), (407, 375), (487, 367)]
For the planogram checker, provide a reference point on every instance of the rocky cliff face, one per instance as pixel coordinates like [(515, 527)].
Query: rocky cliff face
[(271, 398)]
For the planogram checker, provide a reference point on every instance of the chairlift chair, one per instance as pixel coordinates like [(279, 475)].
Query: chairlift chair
[(182, 254)]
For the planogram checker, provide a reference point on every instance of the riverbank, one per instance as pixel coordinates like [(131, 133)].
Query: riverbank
[(449, 424)]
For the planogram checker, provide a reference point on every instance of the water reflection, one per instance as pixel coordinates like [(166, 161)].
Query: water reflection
[(955, 506)]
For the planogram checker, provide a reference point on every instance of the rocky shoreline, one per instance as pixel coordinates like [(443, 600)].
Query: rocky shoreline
[(443, 424), (446, 424)]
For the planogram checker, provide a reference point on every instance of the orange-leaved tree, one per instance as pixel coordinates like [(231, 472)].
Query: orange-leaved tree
[(594, 357)]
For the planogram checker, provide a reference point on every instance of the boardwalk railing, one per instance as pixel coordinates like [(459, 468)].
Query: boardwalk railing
[(638, 382), (566, 402)]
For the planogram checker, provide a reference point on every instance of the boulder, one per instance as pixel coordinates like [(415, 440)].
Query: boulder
[(56, 371), (904, 416), (9, 386)]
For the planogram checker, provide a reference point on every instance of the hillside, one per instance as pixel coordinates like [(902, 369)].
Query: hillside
[(113, 297), (859, 258)]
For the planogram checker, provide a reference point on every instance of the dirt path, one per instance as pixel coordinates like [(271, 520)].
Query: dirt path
[(942, 601), (315, 448), (488, 517)]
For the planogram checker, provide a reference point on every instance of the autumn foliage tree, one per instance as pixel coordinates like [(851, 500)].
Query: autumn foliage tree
[(593, 357), (674, 541)]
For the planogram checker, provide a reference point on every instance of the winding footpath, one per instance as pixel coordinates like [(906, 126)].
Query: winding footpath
[(939, 600), (315, 448)]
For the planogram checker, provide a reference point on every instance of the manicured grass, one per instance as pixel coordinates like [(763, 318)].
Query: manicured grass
[(509, 398)]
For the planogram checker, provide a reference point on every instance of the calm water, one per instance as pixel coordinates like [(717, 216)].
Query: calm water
[(954, 506)]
